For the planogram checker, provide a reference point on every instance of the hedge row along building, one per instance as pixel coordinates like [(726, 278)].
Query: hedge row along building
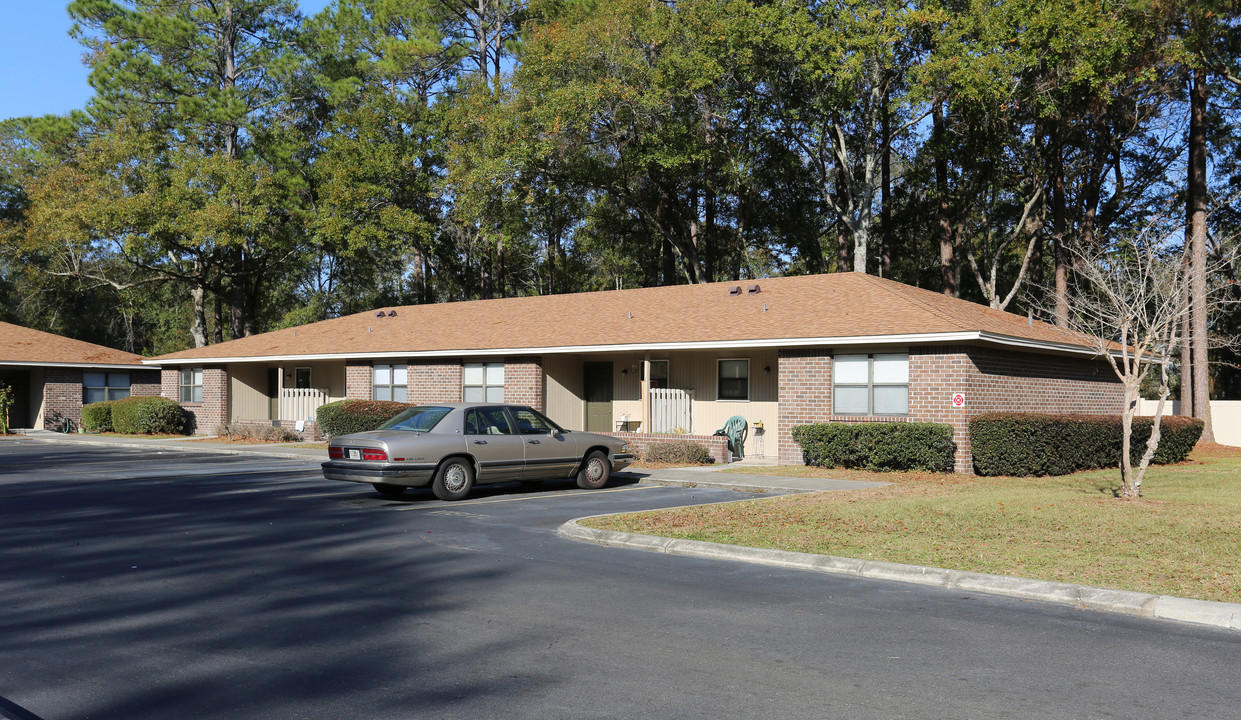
[(53, 376), (681, 360)]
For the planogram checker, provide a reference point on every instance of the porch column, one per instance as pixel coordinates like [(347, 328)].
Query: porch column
[(644, 387)]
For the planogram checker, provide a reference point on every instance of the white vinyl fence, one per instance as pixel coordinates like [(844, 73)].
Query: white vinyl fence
[(1225, 417), (301, 403), (671, 410)]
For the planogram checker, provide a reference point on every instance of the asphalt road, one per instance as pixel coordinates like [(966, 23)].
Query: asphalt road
[(138, 584)]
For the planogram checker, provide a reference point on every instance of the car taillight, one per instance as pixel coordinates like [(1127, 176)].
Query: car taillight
[(335, 453), (373, 454)]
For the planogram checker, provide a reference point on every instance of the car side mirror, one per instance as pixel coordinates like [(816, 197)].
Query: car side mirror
[(554, 432)]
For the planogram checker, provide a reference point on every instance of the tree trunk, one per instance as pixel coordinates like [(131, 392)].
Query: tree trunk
[(843, 241), (947, 274), (1187, 355), (1035, 226), (885, 196), (198, 326), (1058, 236), (1198, 250)]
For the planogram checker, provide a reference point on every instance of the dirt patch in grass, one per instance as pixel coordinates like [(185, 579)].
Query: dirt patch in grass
[(1180, 539)]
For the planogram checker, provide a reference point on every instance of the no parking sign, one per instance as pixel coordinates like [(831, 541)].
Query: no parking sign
[(958, 400)]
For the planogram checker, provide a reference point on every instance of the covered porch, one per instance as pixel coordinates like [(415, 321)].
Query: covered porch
[(283, 394), (687, 393)]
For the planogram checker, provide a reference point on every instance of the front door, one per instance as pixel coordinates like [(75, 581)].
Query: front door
[(597, 391), (273, 393)]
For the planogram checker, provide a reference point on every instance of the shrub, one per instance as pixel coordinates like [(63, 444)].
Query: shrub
[(149, 415), (677, 452), (1032, 444), (261, 433), (97, 417), (877, 446), (351, 416)]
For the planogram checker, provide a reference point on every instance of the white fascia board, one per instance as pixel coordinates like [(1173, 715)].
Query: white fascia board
[(909, 339), (90, 366)]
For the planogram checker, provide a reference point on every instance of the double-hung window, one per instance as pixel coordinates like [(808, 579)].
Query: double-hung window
[(482, 382), (734, 380), (390, 382), (104, 386), (875, 384), (191, 385)]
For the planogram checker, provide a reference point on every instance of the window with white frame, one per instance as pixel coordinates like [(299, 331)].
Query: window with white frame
[(191, 385), (104, 386), (482, 382), (390, 382), (734, 379), (874, 384)]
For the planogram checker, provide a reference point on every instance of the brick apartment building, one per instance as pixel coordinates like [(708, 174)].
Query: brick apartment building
[(779, 352), (52, 377)]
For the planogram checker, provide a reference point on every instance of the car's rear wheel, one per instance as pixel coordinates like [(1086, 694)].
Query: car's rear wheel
[(454, 480), (389, 491), (595, 472)]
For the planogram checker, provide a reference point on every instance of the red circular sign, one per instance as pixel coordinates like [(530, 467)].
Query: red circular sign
[(958, 400)]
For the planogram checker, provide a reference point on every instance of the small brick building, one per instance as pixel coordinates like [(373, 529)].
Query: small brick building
[(682, 360), (52, 376)]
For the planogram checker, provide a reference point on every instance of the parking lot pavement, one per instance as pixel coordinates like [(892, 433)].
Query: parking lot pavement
[(143, 584)]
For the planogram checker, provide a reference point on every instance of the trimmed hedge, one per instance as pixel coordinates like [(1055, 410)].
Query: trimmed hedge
[(677, 452), (1032, 444), (149, 415), (877, 446), (350, 416), (97, 417)]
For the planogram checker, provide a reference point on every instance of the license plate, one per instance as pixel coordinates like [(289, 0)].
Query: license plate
[(354, 454)]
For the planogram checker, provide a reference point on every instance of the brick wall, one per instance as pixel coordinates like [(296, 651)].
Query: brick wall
[(358, 380), (434, 381), (804, 389), (213, 410), (991, 380), (717, 445), (62, 396), (523, 381), (145, 383)]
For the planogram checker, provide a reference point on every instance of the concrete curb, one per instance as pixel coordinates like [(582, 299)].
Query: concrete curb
[(1159, 607)]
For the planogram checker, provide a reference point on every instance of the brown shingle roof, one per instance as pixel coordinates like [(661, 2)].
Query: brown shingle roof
[(22, 345), (840, 305)]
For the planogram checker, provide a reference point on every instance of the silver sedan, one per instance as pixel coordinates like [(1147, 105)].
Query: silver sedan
[(455, 445)]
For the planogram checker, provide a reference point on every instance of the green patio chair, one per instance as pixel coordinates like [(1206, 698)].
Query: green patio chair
[(737, 429)]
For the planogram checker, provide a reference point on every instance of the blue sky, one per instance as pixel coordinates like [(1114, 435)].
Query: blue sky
[(43, 65)]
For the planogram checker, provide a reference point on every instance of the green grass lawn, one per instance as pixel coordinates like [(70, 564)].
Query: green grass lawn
[(1182, 538)]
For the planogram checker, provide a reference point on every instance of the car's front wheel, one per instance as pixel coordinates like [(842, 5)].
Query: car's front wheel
[(454, 480), (595, 471), (388, 490)]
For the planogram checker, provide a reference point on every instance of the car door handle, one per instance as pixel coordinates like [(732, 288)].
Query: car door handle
[(480, 442), (533, 442)]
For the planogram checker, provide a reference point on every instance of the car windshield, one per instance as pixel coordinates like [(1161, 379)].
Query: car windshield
[(417, 419)]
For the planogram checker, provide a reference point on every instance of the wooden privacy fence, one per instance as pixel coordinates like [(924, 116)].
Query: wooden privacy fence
[(672, 410), (301, 403)]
